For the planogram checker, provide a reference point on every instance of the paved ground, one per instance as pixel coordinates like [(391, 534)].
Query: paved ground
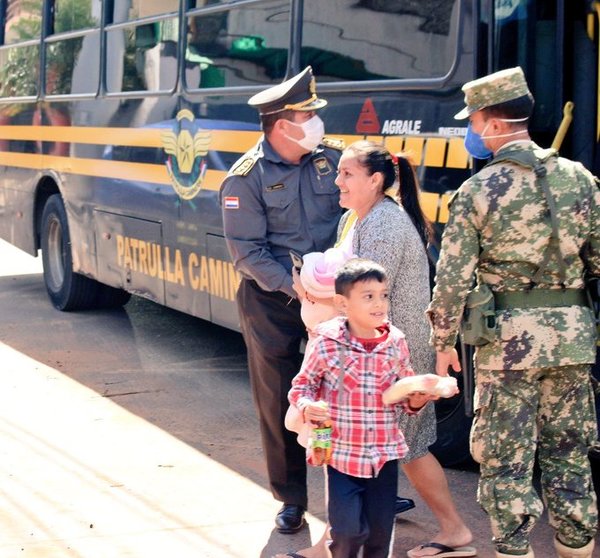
[(140, 441)]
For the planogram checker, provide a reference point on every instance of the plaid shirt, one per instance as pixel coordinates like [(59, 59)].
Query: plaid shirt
[(365, 432)]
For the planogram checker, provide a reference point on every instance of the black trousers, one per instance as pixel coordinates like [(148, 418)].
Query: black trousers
[(273, 331), (361, 512)]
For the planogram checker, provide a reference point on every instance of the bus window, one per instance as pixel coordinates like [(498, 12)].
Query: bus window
[(370, 39), (237, 46), (23, 21), (71, 15), (142, 57), (19, 65), (127, 10), (72, 62)]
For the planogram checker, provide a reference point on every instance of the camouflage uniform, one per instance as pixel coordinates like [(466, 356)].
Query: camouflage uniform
[(533, 389)]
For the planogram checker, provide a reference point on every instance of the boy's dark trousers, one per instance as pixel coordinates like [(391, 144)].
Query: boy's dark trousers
[(361, 512)]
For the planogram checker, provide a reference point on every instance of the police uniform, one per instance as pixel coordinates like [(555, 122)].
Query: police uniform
[(533, 388), (271, 206)]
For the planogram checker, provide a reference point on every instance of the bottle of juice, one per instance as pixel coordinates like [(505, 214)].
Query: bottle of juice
[(320, 443)]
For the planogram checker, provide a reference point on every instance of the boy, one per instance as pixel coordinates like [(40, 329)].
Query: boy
[(350, 363)]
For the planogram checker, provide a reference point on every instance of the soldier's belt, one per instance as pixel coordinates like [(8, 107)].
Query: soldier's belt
[(541, 298)]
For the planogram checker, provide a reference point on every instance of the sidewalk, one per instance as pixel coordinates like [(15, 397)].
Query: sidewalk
[(83, 478)]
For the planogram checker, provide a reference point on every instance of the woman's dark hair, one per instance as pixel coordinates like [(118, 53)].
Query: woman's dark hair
[(376, 158)]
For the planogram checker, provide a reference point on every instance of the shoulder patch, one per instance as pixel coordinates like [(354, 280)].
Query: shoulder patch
[(244, 166), (334, 143)]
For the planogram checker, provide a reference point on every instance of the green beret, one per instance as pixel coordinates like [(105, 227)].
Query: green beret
[(297, 93), (494, 89)]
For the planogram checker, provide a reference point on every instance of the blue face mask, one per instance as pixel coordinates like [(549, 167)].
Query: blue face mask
[(475, 146)]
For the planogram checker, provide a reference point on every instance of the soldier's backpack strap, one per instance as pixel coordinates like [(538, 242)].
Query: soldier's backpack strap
[(530, 160)]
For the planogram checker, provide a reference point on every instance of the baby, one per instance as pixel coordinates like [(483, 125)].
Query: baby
[(318, 277)]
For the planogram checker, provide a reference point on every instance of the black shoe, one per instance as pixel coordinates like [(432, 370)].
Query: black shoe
[(289, 519), (403, 504)]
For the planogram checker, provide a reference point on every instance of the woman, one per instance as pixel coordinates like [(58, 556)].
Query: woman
[(395, 233)]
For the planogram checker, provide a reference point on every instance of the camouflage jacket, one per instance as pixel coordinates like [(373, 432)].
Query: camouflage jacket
[(498, 232)]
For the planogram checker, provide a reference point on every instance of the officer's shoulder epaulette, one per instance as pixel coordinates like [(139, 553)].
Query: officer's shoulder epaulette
[(245, 164), (334, 143)]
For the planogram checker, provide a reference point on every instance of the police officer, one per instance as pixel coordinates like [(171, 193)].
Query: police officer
[(280, 196), (528, 226)]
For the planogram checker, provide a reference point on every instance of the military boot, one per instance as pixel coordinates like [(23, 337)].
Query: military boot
[(568, 552), (528, 555)]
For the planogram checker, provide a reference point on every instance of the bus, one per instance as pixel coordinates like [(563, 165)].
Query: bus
[(120, 118)]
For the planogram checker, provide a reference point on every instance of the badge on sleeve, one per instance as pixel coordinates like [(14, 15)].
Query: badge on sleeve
[(322, 166), (231, 202)]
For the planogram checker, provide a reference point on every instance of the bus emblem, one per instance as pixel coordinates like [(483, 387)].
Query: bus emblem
[(186, 145)]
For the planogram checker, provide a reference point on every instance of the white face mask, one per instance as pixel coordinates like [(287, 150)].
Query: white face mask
[(313, 129)]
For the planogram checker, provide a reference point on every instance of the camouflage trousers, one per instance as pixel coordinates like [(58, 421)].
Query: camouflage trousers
[(519, 412)]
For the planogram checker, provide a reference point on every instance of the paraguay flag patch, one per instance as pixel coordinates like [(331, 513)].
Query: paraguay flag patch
[(231, 202)]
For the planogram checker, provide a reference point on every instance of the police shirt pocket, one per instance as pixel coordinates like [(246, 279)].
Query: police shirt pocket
[(282, 209), (482, 439)]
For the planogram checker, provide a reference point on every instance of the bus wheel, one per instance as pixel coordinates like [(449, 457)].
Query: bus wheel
[(67, 290), (111, 297)]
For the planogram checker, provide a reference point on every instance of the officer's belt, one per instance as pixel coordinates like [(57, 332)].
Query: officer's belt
[(541, 298)]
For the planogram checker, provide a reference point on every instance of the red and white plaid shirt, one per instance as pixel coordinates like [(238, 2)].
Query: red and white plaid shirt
[(365, 432)]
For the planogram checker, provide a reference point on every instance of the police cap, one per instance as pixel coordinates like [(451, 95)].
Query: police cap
[(494, 89), (297, 93)]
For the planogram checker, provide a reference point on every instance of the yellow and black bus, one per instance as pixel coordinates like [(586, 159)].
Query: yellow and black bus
[(120, 118)]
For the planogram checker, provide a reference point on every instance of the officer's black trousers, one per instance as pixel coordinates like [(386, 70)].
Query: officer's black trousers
[(273, 331)]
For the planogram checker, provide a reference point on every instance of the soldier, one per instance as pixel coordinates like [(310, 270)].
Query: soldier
[(280, 196), (527, 226)]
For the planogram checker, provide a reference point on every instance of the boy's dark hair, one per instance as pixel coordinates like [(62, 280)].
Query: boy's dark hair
[(355, 271)]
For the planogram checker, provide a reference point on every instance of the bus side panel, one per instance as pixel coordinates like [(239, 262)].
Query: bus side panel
[(17, 208), (224, 281), (132, 255)]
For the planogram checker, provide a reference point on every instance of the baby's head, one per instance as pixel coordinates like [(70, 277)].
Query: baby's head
[(318, 271), (361, 288)]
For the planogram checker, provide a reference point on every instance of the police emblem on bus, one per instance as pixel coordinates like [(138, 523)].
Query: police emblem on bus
[(186, 145)]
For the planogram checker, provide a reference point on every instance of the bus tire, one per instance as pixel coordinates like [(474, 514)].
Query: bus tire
[(66, 289), (111, 297)]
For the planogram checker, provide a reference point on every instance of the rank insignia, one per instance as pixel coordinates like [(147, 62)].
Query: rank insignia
[(322, 166)]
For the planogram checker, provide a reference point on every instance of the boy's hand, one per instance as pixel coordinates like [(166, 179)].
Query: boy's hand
[(316, 412), (418, 398)]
